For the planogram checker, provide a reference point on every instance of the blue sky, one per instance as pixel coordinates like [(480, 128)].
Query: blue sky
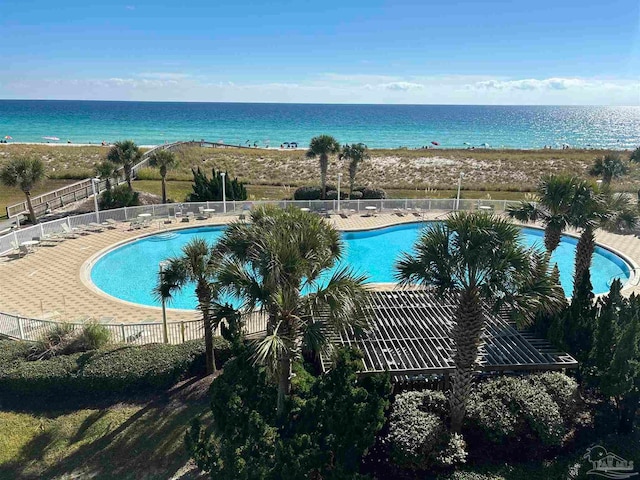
[(496, 52)]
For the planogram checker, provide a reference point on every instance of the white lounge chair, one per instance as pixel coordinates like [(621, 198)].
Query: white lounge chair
[(68, 232), (94, 227)]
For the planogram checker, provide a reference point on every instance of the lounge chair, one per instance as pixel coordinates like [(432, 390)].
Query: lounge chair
[(95, 227), (110, 223), (68, 232), (23, 250), (135, 224)]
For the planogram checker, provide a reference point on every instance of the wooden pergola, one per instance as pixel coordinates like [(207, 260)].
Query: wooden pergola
[(409, 336)]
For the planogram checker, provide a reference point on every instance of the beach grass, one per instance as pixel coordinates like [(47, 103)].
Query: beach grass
[(274, 174)]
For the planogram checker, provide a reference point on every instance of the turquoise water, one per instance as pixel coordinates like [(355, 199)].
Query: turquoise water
[(131, 271), (392, 126)]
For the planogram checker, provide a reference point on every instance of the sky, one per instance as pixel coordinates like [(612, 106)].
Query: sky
[(554, 52)]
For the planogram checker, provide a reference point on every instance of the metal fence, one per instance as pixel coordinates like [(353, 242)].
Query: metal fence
[(32, 329), (13, 239)]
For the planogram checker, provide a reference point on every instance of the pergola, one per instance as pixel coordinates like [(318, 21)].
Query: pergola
[(409, 336)]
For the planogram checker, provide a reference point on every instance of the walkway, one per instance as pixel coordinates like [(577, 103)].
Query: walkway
[(49, 280)]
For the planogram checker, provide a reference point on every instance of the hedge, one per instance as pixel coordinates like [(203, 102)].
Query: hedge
[(118, 369)]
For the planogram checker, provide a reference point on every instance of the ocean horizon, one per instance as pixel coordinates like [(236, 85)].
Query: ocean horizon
[(273, 124)]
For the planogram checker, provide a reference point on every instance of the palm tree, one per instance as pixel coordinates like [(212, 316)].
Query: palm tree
[(106, 170), (164, 160), (635, 155), (478, 257), (610, 166), (24, 173), (323, 146), (197, 264), (127, 154), (355, 153), (553, 208), (278, 264)]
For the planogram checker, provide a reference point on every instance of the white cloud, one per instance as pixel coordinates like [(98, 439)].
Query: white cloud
[(130, 7), (331, 88), (401, 86)]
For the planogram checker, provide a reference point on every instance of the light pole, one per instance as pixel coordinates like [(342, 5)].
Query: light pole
[(224, 191), (339, 178), (459, 185), (95, 181), (165, 331)]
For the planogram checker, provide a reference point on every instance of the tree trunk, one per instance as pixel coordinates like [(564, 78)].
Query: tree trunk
[(552, 238), (107, 184), (466, 338), (127, 174), (164, 189), (584, 254), (202, 292), (324, 164), (32, 213), (284, 383)]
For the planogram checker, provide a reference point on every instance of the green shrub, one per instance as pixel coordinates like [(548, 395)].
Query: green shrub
[(369, 193), (118, 369), (516, 408), (210, 190), (562, 389), (94, 336), (307, 193), (417, 434), (118, 197), (12, 351), (355, 195)]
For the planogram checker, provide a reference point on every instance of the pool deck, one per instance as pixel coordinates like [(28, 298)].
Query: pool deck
[(51, 282)]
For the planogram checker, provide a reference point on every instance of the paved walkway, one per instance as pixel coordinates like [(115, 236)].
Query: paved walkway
[(48, 281)]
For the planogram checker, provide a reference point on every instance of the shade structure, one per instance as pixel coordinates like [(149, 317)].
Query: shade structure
[(435, 143), (409, 335)]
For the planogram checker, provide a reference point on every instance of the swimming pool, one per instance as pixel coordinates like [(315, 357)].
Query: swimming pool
[(130, 272)]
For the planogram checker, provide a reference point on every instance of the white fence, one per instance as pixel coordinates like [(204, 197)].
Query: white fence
[(31, 329), (10, 241)]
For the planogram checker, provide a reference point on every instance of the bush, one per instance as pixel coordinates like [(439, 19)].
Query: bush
[(118, 197), (57, 340), (417, 434), (355, 195), (94, 336), (118, 369), (12, 351), (307, 193), (205, 189), (513, 409), (372, 193)]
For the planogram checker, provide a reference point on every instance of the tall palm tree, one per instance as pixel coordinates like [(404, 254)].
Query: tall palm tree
[(479, 258), (610, 166), (553, 208), (125, 153), (323, 146), (278, 264), (24, 173), (356, 153), (164, 160), (106, 170), (197, 264)]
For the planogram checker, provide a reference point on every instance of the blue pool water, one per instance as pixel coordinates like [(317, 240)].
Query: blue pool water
[(131, 271)]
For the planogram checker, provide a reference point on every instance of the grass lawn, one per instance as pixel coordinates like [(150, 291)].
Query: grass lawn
[(123, 441), (177, 190)]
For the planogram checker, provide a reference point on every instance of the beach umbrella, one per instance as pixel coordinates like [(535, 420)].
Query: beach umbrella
[(485, 145), (435, 143), (466, 143), (51, 138), (8, 137)]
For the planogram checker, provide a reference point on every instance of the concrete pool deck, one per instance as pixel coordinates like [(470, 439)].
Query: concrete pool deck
[(48, 283)]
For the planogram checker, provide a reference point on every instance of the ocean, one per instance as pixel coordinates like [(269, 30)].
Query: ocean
[(378, 126)]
